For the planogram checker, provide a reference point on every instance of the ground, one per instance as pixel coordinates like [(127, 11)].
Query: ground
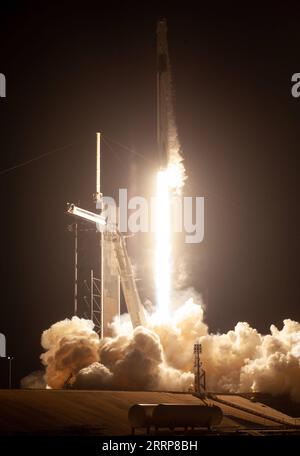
[(78, 412)]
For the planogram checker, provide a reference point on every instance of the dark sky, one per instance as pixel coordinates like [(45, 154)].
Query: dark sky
[(74, 70)]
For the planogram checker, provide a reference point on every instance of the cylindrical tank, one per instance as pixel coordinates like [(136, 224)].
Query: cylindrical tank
[(185, 415), (140, 415)]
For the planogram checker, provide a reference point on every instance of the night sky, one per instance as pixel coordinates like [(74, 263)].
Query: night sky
[(74, 70)]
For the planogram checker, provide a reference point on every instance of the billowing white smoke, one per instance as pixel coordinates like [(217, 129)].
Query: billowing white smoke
[(71, 345), (160, 357), (277, 367), (35, 380)]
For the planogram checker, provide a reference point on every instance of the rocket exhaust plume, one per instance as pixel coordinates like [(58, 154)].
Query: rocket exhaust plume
[(160, 356), (170, 178), (163, 246), (170, 157)]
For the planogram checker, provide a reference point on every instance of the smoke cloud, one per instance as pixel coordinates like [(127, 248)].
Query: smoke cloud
[(71, 345), (160, 356), (35, 380)]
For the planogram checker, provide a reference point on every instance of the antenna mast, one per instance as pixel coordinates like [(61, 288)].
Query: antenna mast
[(199, 373), (97, 284)]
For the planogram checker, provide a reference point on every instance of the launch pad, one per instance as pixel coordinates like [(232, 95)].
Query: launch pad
[(75, 412)]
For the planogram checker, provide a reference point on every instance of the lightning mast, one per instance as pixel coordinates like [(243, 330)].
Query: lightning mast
[(199, 373), (76, 268), (97, 284)]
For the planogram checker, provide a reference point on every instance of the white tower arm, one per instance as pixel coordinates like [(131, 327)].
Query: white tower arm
[(131, 295)]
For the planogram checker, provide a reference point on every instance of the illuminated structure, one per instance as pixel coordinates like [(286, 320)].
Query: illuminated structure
[(115, 267), (199, 373), (86, 215)]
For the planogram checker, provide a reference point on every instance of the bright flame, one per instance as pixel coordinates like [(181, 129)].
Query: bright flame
[(169, 182), (163, 245), (174, 175)]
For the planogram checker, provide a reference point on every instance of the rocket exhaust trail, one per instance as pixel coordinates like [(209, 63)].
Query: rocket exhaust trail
[(163, 246), (162, 239), (162, 92), (167, 138), (170, 176)]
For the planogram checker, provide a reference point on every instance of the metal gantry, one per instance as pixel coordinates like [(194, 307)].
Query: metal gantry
[(112, 245), (96, 304), (199, 373)]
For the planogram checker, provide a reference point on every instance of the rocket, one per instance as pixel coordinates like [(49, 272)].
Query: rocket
[(163, 92)]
